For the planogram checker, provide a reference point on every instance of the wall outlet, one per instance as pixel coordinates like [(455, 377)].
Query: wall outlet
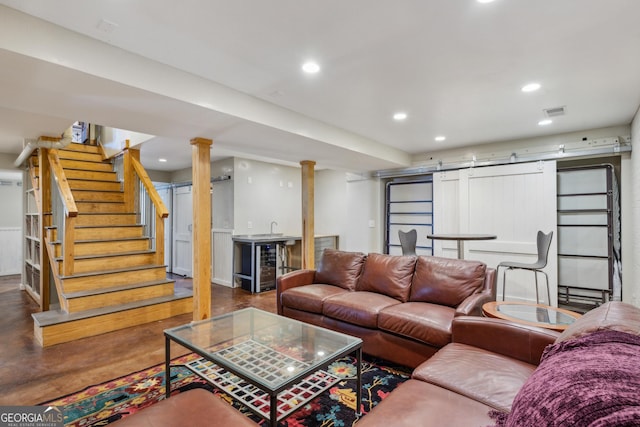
[(372, 223), (249, 225), (249, 180)]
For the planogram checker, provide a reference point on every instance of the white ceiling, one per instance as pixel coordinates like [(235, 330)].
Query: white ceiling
[(230, 71)]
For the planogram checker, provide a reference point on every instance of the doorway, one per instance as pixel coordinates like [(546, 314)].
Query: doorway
[(182, 259)]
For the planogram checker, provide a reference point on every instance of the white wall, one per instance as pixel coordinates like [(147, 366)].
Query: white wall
[(345, 204), (631, 219), (11, 226), (365, 222), (222, 195), (11, 196), (330, 204), (6, 162), (265, 192)]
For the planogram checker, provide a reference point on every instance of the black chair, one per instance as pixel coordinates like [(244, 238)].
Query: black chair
[(543, 242), (408, 241)]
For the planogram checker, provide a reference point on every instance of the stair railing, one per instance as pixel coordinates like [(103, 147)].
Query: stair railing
[(64, 211), (142, 197)]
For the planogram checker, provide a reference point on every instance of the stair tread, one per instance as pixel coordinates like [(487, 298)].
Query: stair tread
[(80, 190), (117, 239), (90, 292), (114, 270), (98, 159), (71, 168), (113, 213), (53, 227), (53, 317), (107, 226), (99, 201), (70, 180), (129, 253), (80, 146)]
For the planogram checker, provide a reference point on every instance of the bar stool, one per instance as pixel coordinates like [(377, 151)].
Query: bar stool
[(543, 242), (408, 241)]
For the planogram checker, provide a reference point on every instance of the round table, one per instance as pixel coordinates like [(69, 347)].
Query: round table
[(460, 238), (540, 315)]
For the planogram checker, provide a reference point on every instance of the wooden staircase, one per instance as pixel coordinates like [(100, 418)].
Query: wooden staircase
[(116, 280)]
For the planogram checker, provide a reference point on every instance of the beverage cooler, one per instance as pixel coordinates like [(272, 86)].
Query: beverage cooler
[(264, 261)]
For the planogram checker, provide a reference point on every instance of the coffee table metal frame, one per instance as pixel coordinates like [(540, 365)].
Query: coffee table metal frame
[(269, 381)]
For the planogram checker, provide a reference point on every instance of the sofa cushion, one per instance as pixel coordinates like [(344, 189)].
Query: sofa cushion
[(479, 374), (358, 308), (592, 380), (421, 321), (340, 268), (388, 275), (614, 315), (418, 404), (446, 281), (309, 297), (189, 408)]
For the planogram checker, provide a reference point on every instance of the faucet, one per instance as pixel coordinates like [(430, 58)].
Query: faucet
[(272, 224)]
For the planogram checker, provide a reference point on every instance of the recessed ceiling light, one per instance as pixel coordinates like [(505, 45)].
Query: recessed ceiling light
[(531, 87), (440, 138), (310, 67), (484, 1), (162, 160), (545, 122), (399, 116)]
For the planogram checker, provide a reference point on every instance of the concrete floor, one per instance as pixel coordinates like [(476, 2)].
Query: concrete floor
[(30, 374)]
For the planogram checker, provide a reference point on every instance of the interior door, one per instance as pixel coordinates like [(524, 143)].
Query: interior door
[(182, 231), (165, 192), (510, 201)]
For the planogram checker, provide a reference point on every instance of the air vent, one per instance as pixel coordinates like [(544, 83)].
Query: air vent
[(555, 112)]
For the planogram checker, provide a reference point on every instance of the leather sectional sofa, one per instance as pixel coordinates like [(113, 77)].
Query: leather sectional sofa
[(501, 373), (401, 306)]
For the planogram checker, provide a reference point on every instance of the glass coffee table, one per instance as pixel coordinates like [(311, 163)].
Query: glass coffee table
[(271, 364), (543, 316)]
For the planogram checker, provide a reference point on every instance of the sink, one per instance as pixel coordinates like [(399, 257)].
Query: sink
[(263, 236)]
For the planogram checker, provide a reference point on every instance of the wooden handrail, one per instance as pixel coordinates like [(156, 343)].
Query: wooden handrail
[(161, 209), (63, 184), (68, 253)]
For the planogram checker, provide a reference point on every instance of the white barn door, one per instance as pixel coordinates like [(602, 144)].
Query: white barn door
[(511, 201), (182, 231)]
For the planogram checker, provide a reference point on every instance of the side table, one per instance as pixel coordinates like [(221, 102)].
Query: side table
[(540, 315)]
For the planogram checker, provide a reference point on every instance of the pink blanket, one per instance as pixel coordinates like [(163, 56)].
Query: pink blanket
[(590, 381)]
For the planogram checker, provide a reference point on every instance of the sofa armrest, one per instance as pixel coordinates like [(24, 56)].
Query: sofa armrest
[(490, 279), (472, 305), (522, 342), (290, 280)]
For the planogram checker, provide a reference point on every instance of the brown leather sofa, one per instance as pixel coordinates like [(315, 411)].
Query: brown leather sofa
[(401, 306), (490, 365)]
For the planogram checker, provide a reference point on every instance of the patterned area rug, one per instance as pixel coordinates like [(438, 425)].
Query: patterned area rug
[(105, 403)]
